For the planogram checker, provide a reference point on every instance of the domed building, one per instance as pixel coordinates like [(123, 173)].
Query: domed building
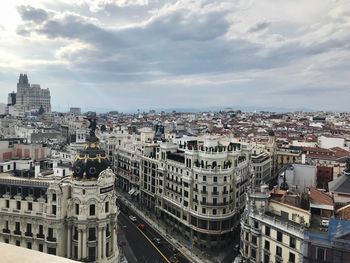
[(72, 216)]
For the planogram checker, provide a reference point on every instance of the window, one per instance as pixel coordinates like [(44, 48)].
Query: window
[(50, 232), (41, 247), (18, 205), (29, 245), (320, 254), (215, 179), (267, 245), (279, 236), (292, 242), (267, 231), (291, 257), (92, 233), (225, 178), (247, 236), (204, 178), (186, 193), (54, 197), (256, 224), (204, 211), (266, 258), (18, 226), (41, 229), (278, 251), (253, 253), (254, 240), (77, 209), (30, 206), (106, 207), (51, 250), (54, 210), (29, 228), (18, 243), (92, 210), (7, 203), (214, 211), (7, 240)]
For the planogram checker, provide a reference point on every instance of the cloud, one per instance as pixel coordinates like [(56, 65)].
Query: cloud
[(29, 13), (228, 51), (259, 26)]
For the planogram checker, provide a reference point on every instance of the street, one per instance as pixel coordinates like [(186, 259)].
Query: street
[(143, 245)]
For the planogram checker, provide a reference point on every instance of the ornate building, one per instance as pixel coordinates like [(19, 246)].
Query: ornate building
[(197, 186), (73, 216), (31, 97)]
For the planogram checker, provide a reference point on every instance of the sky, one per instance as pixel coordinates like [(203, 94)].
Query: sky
[(152, 54)]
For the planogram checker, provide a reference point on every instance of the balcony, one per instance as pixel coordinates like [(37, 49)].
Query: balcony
[(279, 258), (92, 238), (204, 192), (225, 192), (51, 239), (214, 193), (27, 234), (17, 232), (7, 231), (195, 190), (41, 236), (108, 233)]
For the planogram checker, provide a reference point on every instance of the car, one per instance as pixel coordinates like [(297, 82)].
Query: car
[(141, 226), (325, 222), (132, 218), (157, 240)]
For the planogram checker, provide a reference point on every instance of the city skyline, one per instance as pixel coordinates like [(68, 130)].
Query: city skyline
[(126, 55)]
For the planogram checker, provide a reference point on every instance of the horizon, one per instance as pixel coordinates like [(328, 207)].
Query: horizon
[(179, 54)]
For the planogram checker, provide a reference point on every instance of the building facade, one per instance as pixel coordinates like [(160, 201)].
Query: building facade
[(31, 97), (196, 186), (69, 216), (272, 231)]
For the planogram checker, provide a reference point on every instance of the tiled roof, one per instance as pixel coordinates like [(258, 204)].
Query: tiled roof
[(319, 197)]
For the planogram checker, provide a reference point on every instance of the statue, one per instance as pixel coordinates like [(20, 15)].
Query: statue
[(92, 126)]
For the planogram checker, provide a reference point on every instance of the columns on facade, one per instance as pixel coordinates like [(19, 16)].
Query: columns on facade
[(104, 242), (69, 241), (99, 244), (84, 244), (79, 243)]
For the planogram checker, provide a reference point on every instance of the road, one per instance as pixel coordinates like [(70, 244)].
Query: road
[(143, 246)]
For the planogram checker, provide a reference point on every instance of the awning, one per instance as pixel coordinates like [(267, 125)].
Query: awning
[(131, 191)]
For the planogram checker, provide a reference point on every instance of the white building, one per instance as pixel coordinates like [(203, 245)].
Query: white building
[(31, 97), (272, 231), (299, 177), (197, 186), (70, 216)]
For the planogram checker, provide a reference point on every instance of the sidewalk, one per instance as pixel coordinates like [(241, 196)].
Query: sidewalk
[(174, 238)]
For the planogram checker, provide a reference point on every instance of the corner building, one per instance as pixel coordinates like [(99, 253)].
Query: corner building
[(73, 217), (196, 186)]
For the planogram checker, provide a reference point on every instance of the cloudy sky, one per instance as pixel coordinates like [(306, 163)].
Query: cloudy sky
[(130, 54)]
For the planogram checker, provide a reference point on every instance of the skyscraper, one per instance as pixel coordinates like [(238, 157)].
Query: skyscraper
[(31, 97)]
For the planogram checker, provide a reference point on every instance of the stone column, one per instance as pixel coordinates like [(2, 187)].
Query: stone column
[(84, 244), (69, 237), (79, 244), (99, 244), (104, 242)]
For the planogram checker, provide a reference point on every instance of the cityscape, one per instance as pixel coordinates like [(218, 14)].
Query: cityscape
[(137, 131)]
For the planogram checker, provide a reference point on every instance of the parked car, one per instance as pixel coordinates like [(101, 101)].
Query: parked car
[(141, 226), (132, 218), (325, 222), (158, 241)]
